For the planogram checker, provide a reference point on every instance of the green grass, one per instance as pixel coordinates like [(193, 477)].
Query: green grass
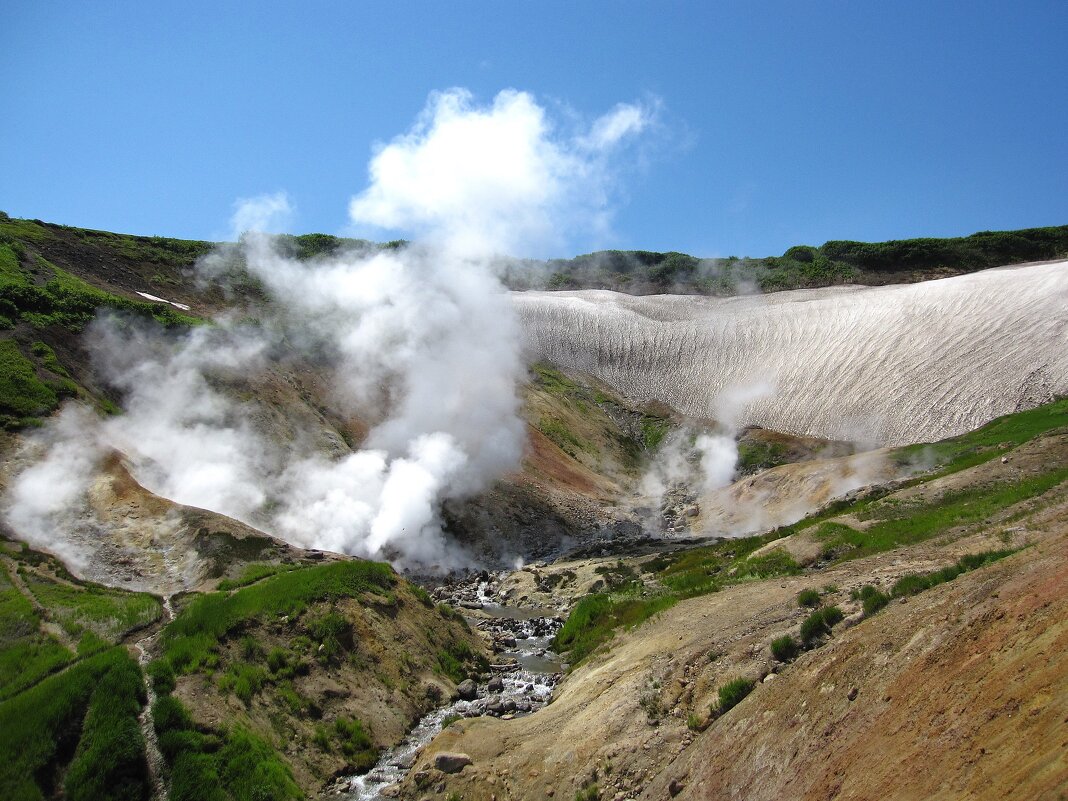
[(253, 573), (595, 618), (192, 640), (244, 680), (26, 654), (809, 598), (459, 661), (562, 436), (906, 525), (784, 648), (22, 394), (109, 762), (819, 623), (756, 456), (697, 571), (732, 693), (872, 599), (914, 583), (236, 765), (109, 613), (43, 726), (654, 429), (355, 744), (985, 443)]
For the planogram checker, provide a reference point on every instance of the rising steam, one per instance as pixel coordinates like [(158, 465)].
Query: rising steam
[(420, 341)]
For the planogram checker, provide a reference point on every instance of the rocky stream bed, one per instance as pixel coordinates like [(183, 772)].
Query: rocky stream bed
[(520, 680)]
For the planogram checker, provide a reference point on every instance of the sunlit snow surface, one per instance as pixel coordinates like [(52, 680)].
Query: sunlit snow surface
[(890, 365)]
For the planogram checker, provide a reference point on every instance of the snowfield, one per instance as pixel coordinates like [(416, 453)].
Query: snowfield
[(887, 365)]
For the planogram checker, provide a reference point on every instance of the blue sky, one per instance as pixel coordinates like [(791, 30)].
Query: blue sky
[(779, 122)]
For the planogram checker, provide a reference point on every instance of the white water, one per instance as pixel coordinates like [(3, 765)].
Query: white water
[(530, 685), (145, 648), (887, 365)]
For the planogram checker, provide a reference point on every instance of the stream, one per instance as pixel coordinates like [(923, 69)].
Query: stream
[(520, 681), (145, 647)]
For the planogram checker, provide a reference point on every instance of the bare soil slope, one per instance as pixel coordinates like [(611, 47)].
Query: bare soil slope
[(960, 691)]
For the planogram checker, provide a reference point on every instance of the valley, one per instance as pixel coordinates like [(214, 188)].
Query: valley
[(806, 544)]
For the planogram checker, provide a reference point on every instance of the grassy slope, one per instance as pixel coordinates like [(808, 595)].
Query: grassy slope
[(256, 657), (68, 711), (699, 571)]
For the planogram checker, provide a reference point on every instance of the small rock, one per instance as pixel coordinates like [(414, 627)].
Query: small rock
[(496, 685), (852, 694), (769, 677), (448, 762), (675, 787)]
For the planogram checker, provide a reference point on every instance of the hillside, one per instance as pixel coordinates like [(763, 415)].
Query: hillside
[(945, 653), (747, 527), (886, 365)]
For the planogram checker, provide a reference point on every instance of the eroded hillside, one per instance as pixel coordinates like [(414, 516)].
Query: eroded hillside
[(947, 638)]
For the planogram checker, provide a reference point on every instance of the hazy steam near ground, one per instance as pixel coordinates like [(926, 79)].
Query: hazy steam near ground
[(700, 459), (423, 340)]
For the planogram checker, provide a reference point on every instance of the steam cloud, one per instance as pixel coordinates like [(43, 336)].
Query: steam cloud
[(421, 341), (704, 460)]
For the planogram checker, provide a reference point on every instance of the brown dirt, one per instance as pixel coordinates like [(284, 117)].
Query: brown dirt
[(961, 692)]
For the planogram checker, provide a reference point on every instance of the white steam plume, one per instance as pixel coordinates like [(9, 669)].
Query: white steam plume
[(703, 460), (421, 341)]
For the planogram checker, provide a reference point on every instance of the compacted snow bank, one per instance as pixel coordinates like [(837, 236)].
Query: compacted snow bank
[(886, 365)]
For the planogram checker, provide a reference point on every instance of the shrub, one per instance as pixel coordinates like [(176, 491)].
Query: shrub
[(809, 597), (784, 648), (731, 693)]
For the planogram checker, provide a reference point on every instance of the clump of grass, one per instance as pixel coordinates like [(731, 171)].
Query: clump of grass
[(809, 597), (459, 661), (819, 623), (732, 693), (356, 744), (918, 582), (244, 680), (162, 675), (333, 632), (422, 596), (589, 792), (785, 648), (872, 599)]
